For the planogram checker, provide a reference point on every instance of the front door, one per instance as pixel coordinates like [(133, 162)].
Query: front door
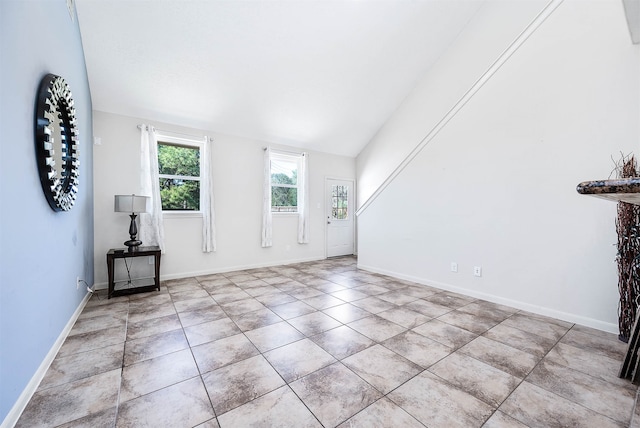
[(340, 217)]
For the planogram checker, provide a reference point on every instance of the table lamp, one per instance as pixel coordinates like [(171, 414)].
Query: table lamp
[(131, 204)]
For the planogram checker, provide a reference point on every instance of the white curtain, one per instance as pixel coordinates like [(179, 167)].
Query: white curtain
[(303, 200), (151, 227), (267, 221), (206, 204)]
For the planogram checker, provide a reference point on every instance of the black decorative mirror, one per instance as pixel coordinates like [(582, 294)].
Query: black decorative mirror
[(57, 143)]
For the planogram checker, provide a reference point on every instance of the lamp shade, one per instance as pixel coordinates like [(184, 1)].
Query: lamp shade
[(131, 204)]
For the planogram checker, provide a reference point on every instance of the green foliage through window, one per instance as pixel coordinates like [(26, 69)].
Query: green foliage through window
[(179, 171), (284, 183)]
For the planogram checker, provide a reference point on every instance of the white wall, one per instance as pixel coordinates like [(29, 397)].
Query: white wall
[(487, 34), (41, 251), (496, 188), (237, 170)]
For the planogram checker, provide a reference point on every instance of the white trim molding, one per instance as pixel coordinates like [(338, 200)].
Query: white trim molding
[(540, 310)]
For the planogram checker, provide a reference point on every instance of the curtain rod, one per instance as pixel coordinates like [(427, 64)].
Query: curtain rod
[(287, 151), (191, 136)]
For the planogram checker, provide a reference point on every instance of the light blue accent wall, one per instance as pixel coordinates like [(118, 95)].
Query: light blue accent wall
[(41, 251)]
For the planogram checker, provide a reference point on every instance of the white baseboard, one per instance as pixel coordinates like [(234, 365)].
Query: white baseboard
[(540, 310), (164, 277), (16, 411)]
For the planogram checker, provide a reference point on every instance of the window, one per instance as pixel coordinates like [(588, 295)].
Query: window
[(284, 182), (179, 171), (339, 202)]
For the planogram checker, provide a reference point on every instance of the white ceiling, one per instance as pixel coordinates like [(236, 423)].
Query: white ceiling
[(321, 75)]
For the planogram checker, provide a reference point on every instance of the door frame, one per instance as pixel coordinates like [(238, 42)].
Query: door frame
[(326, 209)]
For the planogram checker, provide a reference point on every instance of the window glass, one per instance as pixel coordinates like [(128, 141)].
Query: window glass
[(339, 202), (179, 172), (284, 183)]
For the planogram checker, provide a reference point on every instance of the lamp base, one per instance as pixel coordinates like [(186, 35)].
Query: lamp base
[(133, 244)]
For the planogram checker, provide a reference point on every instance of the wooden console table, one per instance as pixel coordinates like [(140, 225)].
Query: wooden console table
[(113, 254)]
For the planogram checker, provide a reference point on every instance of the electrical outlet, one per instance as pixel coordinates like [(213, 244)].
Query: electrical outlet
[(477, 271), (454, 267), (78, 282)]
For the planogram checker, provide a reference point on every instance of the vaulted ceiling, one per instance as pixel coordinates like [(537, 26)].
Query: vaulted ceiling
[(322, 75)]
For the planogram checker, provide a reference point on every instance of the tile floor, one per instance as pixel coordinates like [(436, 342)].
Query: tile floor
[(325, 344)]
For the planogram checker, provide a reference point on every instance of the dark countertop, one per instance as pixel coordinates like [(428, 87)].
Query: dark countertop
[(620, 189)]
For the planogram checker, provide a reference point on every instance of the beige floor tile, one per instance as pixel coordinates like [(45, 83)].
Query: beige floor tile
[(92, 340), (279, 408), (150, 347), (373, 304), (382, 414), (511, 360), (500, 420), (372, 289), (349, 295), (314, 323), (238, 383), (182, 404), (430, 309), (210, 331), (436, 403), (323, 301), (275, 299), (605, 398), (437, 372), (292, 309), (481, 380), (82, 365), (230, 296), (151, 311), (446, 334), (334, 394), (211, 423), (150, 327), (263, 290), (607, 345), (273, 336), (520, 339), (346, 313), (255, 319), (151, 375), (329, 287), (213, 355), (383, 369), (193, 304), (417, 348), (103, 419), (298, 359), (449, 299), (98, 322), (404, 317), (489, 310), (342, 341), (536, 326), (397, 298), (241, 306), (537, 407), (597, 365), (376, 328), (473, 323), (71, 401), (198, 316), (306, 293)]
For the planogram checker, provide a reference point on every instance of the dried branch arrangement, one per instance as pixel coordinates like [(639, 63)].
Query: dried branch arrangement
[(628, 257)]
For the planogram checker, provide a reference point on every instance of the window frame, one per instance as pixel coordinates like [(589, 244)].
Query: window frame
[(287, 157), (169, 140)]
